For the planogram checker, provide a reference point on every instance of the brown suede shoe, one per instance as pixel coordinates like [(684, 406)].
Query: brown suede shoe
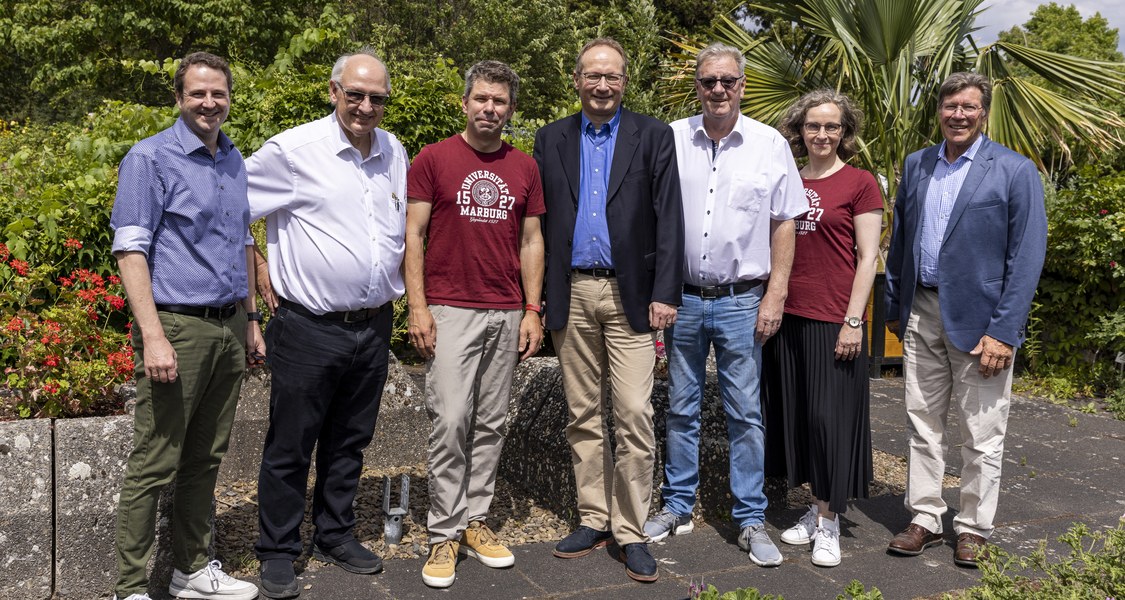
[(913, 540), (970, 548)]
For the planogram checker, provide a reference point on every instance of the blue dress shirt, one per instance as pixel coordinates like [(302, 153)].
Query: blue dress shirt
[(187, 212), (944, 187), (591, 231)]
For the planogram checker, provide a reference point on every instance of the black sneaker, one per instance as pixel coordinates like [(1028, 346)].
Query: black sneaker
[(350, 556), (581, 542), (639, 564), (278, 579)]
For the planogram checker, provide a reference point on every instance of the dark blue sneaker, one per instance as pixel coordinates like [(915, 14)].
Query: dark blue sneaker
[(639, 564), (583, 541)]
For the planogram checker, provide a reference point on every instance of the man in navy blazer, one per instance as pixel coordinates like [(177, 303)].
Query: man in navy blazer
[(968, 241), (614, 240)]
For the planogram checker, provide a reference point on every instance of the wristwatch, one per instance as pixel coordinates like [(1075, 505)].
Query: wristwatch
[(853, 322), (254, 316)]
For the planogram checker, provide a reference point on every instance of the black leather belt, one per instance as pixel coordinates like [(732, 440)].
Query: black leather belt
[(720, 291), (343, 316), (596, 272), (225, 311)]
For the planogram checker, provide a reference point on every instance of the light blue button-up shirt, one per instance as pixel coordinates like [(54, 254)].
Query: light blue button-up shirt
[(945, 185), (591, 231)]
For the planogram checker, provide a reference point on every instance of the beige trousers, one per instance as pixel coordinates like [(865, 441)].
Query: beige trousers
[(938, 378), (598, 347), (468, 386)]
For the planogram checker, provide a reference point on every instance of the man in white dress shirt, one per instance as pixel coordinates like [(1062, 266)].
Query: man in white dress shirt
[(741, 191), (333, 193)]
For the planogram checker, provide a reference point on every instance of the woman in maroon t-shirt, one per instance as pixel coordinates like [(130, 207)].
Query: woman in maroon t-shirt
[(816, 365)]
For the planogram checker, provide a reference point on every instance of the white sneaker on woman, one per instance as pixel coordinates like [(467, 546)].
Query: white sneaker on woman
[(805, 529), (826, 546)]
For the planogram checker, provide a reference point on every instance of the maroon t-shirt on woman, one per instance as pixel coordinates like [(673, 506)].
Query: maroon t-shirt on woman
[(820, 284), (478, 202)]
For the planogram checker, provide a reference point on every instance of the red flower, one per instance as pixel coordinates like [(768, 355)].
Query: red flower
[(114, 280), (50, 387), (19, 266), (117, 302), (51, 361), (1104, 212), (15, 325), (4, 253), (1113, 264), (72, 244)]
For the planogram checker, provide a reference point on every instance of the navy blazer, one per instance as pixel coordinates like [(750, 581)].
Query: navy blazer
[(992, 251), (643, 212)]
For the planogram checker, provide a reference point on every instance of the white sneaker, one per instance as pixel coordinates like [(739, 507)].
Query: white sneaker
[(133, 597), (826, 547), (210, 583), (805, 529)]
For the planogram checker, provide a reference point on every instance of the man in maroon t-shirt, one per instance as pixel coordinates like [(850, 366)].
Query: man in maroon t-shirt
[(472, 238)]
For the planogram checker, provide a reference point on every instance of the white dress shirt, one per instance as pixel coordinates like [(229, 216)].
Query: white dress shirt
[(335, 221), (730, 198)]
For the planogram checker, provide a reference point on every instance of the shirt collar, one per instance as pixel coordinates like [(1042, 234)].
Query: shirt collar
[(191, 143), (969, 154), (698, 133), (342, 143), (610, 127)]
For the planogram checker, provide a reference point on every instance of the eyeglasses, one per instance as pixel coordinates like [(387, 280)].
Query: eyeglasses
[(969, 110), (595, 78), (355, 97), (829, 128), (728, 82)]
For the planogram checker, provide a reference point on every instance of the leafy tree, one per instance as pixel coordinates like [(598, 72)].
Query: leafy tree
[(63, 57), (1059, 29)]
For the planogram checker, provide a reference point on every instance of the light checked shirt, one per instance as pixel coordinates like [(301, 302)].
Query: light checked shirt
[(186, 211), (335, 221), (945, 185), (730, 197), (591, 230)]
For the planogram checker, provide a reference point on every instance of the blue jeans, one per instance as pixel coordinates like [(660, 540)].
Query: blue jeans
[(728, 323)]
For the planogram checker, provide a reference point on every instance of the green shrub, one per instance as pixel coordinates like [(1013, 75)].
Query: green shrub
[(1094, 569), (1078, 324)]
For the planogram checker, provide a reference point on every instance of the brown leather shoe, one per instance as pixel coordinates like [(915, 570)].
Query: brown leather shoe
[(970, 548), (913, 540)]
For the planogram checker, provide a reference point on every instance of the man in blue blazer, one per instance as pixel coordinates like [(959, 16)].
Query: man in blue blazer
[(968, 241), (615, 240)]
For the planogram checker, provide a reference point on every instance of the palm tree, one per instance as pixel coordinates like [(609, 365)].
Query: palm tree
[(890, 57)]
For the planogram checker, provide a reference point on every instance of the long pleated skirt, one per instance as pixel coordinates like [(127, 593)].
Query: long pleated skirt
[(817, 411)]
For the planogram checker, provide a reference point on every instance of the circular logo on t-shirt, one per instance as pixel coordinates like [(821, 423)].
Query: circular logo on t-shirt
[(485, 193)]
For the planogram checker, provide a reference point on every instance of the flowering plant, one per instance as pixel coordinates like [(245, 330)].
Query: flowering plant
[(63, 340)]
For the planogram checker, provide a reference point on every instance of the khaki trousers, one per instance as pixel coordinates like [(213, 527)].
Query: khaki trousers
[(468, 386), (598, 347), (938, 378)]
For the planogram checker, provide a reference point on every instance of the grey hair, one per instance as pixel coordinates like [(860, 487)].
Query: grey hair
[(342, 62), (720, 50), (493, 71), (960, 81)]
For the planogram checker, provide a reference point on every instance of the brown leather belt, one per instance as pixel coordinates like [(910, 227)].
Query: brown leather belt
[(225, 311)]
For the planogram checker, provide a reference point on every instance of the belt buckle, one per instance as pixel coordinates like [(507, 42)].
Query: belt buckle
[(356, 316), (710, 293)]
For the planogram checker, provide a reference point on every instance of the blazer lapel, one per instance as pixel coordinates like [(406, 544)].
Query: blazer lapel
[(623, 150), (570, 154), (978, 170)]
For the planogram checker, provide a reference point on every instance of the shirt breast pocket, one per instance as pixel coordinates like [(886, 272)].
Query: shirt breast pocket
[(747, 193)]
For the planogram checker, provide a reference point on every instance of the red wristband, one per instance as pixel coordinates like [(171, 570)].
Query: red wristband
[(535, 308)]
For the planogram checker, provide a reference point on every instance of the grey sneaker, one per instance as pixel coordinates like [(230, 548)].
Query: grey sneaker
[(133, 597), (665, 523), (756, 541), (805, 529)]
